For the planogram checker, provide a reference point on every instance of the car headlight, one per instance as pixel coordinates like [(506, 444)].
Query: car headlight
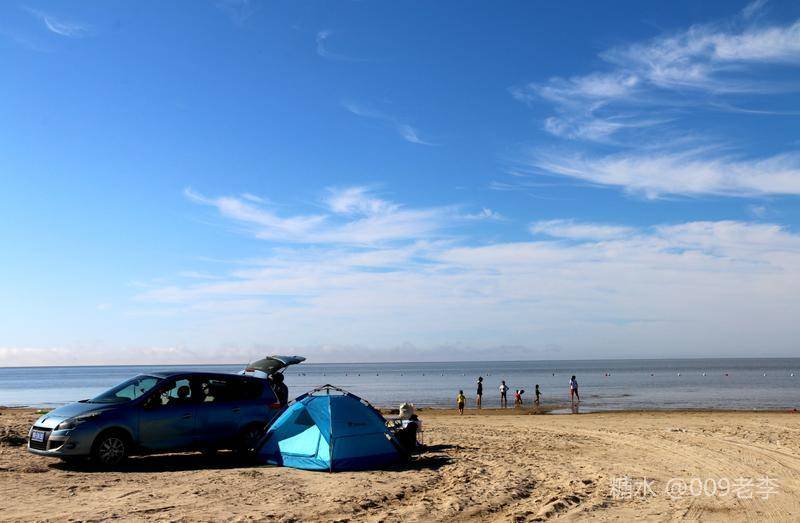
[(71, 423)]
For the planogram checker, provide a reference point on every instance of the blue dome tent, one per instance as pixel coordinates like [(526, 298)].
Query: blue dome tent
[(330, 429)]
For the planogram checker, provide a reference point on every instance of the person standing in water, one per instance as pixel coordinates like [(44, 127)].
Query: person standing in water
[(503, 395), (480, 392), (537, 393), (461, 400), (573, 390)]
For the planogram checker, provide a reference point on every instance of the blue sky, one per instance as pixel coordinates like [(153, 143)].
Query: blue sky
[(210, 181)]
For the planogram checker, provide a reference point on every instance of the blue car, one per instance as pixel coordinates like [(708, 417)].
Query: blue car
[(160, 412)]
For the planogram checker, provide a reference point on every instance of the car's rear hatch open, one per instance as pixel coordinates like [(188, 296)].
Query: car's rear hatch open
[(272, 364)]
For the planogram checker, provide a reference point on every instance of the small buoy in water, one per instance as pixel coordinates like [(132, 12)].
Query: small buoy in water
[(704, 374), (765, 374), (792, 375), (679, 374), (726, 373), (652, 374)]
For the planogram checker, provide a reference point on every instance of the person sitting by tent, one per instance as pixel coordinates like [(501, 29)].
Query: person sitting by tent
[(407, 436), (280, 389)]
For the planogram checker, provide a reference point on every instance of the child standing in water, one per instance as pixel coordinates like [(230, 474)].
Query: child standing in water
[(503, 392), (536, 401), (461, 400), (573, 390)]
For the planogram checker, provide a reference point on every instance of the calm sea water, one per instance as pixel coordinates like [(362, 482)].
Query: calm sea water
[(604, 384)]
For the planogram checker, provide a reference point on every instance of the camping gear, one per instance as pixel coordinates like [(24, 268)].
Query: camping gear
[(407, 410), (330, 429)]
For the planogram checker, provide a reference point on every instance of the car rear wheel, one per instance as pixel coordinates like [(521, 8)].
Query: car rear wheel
[(110, 449), (248, 439)]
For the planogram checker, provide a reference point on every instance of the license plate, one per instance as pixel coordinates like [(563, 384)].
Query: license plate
[(37, 435)]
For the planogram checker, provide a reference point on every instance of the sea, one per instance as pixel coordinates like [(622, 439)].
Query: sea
[(741, 384)]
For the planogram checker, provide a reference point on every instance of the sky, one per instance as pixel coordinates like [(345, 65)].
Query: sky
[(212, 181)]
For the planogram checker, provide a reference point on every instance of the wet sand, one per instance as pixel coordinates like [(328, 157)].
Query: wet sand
[(492, 466)]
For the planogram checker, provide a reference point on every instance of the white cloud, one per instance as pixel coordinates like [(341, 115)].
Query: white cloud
[(356, 217), (59, 26), (703, 65), (238, 11), (753, 9), (485, 214), (573, 230), (357, 200), (406, 131), (693, 172), (323, 51), (729, 286)]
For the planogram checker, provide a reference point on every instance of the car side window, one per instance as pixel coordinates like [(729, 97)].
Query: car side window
[(251, 389), (215, 390), (177, 392), (135, 389)]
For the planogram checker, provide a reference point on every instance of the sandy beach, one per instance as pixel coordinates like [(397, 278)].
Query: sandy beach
[(480, 467)]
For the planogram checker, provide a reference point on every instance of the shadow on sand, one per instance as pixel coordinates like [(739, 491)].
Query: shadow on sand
[(430, 457), (166, 463)]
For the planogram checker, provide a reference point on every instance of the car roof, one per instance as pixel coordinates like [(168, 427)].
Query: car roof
[(165, 374)]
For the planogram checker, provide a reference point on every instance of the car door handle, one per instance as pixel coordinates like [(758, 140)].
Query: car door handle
[(188, 415)]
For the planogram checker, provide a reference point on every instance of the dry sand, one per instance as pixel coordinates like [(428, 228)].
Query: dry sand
[(478, 467)]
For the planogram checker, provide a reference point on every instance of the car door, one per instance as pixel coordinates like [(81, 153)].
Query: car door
[(167, 417), (218, 411)]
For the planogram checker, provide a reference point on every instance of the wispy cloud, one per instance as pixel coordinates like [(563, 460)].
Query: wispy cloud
[(353, 216), (238, 11), (60, 26), (693, 172), (430, 292), (637, 105), (406, 131), (702, 66), (572, 230), (322, 48)]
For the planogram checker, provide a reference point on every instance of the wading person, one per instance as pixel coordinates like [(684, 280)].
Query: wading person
[(518, 397), (573, 390), (480, 392), (461, 400), (537, 393), (503, 395)]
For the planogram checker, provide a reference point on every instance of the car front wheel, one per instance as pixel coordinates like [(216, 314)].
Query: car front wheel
[(110, 449)]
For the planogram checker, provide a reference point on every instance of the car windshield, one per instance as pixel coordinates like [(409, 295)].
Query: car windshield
[(127, 391)]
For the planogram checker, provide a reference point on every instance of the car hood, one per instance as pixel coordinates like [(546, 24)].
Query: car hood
[(54, 417), (272, 364)]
